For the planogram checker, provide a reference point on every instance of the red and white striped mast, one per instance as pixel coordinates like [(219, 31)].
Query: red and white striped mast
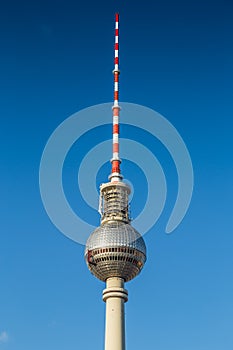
[(116, 173)]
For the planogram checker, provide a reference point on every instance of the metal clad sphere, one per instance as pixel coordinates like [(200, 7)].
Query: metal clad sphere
[(115, 249)]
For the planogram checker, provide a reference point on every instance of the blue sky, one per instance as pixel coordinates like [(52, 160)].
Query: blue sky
[(56, 59)]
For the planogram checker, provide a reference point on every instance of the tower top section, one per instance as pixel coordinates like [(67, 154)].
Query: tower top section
[(115, 175), (115, 249)]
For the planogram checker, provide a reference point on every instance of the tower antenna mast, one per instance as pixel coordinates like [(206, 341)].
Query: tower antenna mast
[(115, 174)]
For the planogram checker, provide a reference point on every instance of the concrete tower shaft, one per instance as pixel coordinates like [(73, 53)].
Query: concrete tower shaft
[(115, 296)]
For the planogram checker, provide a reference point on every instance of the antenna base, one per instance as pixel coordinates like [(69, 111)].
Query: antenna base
[(115, 177)]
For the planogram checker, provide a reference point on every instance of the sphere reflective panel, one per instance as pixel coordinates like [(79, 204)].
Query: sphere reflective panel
[(115, 249)]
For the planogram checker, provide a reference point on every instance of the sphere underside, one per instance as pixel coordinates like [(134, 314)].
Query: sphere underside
[(115, 249)]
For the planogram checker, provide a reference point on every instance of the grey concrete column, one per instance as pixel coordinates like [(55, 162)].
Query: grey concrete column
[(115, 296)]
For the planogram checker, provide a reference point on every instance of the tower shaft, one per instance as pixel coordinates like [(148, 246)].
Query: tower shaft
[(115, 297)]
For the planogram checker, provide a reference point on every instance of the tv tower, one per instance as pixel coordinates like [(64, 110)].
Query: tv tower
[(115, 252)]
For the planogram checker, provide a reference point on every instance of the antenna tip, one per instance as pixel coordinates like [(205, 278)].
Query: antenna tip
[(117, 17)]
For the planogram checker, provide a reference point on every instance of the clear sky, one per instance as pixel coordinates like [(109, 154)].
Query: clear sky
[(56, 59)]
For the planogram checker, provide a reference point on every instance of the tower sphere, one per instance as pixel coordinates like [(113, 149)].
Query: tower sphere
[(115, 249)]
